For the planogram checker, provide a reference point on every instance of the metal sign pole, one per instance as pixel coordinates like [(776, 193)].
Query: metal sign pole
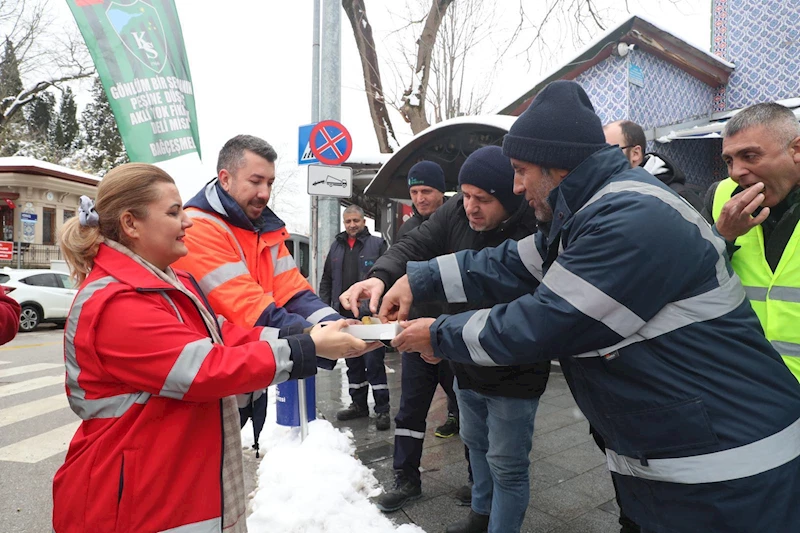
[(301, 404)]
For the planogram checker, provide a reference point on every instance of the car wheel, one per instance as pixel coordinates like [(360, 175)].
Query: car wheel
[(29, 318)]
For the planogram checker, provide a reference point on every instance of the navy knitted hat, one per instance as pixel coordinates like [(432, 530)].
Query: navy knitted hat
[(488, 169), (426, 173), (559, 130)]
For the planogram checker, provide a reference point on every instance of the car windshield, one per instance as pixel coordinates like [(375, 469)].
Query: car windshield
[(4, 278)]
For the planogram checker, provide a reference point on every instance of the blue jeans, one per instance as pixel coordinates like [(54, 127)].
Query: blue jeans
[(499, 434)]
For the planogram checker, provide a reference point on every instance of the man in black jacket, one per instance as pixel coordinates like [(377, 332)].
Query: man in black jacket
[(632, 141), (497, 404), (426, 186), (352, 255)]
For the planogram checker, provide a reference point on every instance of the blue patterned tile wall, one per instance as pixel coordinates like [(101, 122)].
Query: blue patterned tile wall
[(698, 158), (762, 38), (606, 84), (669, 96)]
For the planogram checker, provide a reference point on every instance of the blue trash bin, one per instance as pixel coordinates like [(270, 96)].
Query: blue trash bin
[(286, 402)]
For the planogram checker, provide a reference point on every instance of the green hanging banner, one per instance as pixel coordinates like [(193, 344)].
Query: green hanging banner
[(138, 51)]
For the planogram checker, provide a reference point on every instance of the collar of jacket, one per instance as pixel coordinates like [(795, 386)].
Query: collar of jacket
[(213, 198), (362, 235), (580, 185), (127, 271), (662, 168)]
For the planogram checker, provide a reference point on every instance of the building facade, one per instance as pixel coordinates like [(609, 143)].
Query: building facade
[(36, 198)]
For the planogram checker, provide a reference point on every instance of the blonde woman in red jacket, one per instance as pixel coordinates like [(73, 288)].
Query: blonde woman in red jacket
[(153, 374)]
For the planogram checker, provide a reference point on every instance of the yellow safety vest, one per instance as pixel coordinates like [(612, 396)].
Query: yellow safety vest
[(775, 296)]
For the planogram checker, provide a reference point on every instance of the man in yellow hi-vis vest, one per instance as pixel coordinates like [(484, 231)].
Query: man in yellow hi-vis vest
[(757, 211)]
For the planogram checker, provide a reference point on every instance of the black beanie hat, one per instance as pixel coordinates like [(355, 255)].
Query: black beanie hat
[(559, 130), (488, 169), (426, 173)]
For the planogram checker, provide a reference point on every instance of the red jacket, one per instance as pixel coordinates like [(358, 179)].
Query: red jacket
[(147, 382), (9, 317)]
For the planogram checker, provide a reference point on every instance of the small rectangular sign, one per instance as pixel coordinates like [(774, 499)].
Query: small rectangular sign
[(330, 181), (304, 155), (635, 75), (6, 250), (29, 216)]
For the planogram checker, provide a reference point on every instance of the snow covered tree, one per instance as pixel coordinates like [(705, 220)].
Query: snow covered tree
[(39, 115), (10, 86), (10, 80), (103, 147), (45, 55), (66, 128)]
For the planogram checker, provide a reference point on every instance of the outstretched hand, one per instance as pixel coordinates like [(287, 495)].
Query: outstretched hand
[(397, 302), (370, 288), (416, 337), (332, 343)]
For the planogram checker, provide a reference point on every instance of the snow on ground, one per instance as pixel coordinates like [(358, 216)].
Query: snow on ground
[(315, 486)]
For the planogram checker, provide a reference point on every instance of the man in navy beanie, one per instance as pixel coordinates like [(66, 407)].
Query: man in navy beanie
[(426, 188), (499, 403), (631, 289)]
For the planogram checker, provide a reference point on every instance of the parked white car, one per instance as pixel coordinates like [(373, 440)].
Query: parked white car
[(44, 295)]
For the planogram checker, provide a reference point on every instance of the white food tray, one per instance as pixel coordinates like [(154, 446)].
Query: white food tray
[(374, 332)]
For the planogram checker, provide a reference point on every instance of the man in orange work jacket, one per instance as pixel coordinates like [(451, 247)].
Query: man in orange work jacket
[(237, 251)]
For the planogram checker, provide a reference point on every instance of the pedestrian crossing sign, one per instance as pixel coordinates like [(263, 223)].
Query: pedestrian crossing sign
[(304, 154)]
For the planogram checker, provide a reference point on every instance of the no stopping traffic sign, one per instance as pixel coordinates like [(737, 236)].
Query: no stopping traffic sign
[(330, 142)]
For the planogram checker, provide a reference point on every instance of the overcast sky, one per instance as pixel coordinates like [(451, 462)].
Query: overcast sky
[(251, 68)]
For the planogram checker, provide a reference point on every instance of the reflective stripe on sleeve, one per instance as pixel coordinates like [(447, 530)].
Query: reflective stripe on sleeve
[(787, 349), (87, 409), (269, 334), (282, 353), (191, 213), (319, 314), (529, 254), (450, 274), (213, 525), (284, 264), (222, 274), (701, 308), (402, 432), (678, 204), (471, 337), (735, 463), (185, 369), (591, 301)]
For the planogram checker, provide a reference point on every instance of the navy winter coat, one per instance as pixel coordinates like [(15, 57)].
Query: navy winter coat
[(631, 289)]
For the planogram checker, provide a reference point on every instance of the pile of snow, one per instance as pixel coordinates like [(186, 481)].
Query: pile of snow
[(315, 486)]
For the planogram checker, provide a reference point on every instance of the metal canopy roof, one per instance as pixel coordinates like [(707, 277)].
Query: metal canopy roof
[(447, 143)]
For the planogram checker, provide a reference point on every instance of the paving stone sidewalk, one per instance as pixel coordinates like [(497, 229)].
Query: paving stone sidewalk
[(571, 490)]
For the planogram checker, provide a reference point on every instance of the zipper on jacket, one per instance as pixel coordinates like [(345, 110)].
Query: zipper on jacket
[(121, 480)]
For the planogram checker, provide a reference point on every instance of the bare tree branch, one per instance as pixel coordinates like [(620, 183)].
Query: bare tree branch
[(373, 86)]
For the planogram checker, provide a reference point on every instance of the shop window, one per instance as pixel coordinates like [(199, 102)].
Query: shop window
[(48, 225), (7, 222)]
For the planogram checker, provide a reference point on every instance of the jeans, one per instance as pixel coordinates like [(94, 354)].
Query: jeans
[(499, 434), (369, 371)]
